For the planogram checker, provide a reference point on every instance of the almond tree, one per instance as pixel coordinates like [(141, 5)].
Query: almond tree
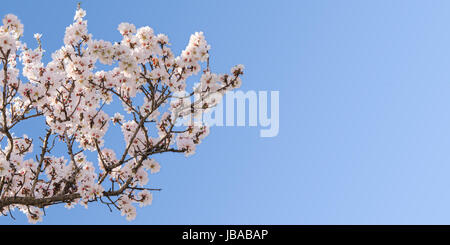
[(71, 95)]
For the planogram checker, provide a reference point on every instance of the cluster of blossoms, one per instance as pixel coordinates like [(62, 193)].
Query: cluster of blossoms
[(71, 95)]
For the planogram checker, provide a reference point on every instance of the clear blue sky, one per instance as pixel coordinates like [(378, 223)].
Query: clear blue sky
[(364, 111)]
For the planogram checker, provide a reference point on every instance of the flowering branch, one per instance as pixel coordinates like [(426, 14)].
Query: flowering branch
[(71, 95)]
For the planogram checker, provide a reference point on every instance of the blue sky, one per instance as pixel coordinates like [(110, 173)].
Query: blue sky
[(364, 111)]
